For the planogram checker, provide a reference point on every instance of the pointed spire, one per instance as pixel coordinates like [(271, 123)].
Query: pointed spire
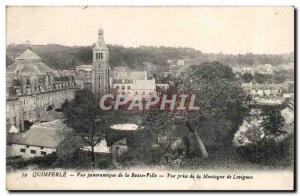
[(101, 43), (100, 31)]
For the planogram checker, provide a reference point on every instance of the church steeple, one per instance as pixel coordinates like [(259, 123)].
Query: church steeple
[(100, 43), (100, 65)]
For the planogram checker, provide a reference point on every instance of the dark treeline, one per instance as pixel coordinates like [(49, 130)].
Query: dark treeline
[(65, 57)]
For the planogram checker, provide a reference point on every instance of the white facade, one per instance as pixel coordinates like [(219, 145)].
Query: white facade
[(132, 83), (27, 151)]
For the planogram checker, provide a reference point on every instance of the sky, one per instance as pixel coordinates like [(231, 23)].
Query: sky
[(230, 30)]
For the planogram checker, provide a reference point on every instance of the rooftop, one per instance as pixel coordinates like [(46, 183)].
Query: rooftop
[(29, 63), (49, 135)]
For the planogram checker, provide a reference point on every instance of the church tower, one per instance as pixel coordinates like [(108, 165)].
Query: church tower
[(100, 74)]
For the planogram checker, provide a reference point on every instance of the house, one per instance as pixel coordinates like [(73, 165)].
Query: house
[(119, 147), (131, 83), (11, 129), (85, 74), (40, 140)]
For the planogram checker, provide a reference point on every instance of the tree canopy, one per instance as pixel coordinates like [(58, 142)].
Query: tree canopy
[(223, 103)]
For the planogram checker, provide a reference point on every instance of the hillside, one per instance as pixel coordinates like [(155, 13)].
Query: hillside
[(65, 57)]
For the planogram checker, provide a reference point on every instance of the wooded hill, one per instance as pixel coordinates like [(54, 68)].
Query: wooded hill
[(66, 57)]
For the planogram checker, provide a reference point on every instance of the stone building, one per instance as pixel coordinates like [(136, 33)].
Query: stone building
[(85, 74), (132, 83), (100, 72), (40, 140), (33, 87)]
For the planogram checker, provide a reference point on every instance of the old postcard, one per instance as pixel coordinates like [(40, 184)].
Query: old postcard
[(150, 98)]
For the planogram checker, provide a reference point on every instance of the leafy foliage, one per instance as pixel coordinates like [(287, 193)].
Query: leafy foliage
[(223, 103), (247, 77), (85, 119), (273, 123)]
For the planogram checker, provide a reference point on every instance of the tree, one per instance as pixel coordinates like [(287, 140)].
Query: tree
[(273, 123), (247, 77), (260, 78), (261, 142), (223, 105), (86, 120)]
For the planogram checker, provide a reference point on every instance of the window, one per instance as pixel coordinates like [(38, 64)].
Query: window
[(128, 87), (123, 87), (117, 87), (43, 153), (22, 150), (99, 56), (27, 146), (99, 77), (33, 151)]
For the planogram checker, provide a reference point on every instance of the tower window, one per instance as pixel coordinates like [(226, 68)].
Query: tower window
[(99, 56)]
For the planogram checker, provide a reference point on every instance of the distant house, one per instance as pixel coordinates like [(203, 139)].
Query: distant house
[(101, 147), (119, 147), (131, 83), (265, 69), (11, 129), (262, 69), (182, 64), (40, 140), (85, 74)]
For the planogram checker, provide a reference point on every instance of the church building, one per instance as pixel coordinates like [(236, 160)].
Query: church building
[(100, 72)]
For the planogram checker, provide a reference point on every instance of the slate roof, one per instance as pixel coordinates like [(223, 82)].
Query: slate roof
[(49, 135), (129, 74), (29, 63), (28, 55)]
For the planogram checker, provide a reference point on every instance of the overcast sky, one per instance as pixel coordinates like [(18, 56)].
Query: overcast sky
[(209, 29)]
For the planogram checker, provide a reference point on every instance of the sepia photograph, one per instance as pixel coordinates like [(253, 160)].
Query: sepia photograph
[(185, 98)]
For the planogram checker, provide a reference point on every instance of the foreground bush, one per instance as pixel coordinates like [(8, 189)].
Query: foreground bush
[(270, 152)]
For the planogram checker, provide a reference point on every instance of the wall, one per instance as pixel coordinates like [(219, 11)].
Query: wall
[(14, 150), (29, 107)]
